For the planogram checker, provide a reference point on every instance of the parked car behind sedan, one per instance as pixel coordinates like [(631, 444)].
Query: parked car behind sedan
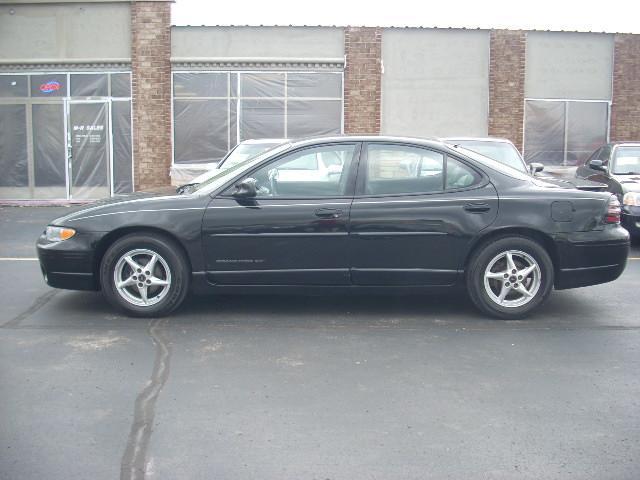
[(618, 166), (503, 151), (241, 152), (401, 216)]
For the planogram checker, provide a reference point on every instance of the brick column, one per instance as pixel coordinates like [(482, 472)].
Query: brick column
[(625, 104), (151, 94), (506, 84), (362, 80)]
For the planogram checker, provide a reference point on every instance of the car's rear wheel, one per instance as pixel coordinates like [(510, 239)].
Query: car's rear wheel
[(509, 277), (144, 275)]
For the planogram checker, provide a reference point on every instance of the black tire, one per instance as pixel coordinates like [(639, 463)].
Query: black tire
[(482, 257), (173, 257)]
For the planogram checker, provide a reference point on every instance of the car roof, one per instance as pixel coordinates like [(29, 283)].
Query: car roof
[(428, 142), (630, 144), (476, 139), (258, 141)]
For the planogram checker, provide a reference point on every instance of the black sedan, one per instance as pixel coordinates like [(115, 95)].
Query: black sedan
[(354, 214), (618, 165)]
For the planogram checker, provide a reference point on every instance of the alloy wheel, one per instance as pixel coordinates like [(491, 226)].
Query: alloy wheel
[(142, 277), (512, 278)]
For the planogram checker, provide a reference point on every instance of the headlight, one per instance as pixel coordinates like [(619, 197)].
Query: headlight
[(57, 234), (631, 199)]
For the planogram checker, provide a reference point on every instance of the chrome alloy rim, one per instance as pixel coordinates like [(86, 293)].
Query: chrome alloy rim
[(512, 279), (142, 277)]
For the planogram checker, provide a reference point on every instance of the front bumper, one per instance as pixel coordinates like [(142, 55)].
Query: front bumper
[(631, 219), (590, 258), (70, 264)]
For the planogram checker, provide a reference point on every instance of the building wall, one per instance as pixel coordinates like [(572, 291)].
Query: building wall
[(625, 107), (569, 65), (362, 82), (257, 42), (435, 82), (65, 31), (506, 85)]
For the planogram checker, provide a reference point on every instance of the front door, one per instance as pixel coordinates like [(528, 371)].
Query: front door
[(294, 232), (88, 149), (414, 215)]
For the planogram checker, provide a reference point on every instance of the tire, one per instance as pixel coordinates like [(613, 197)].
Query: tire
[(141, 292), (502, 297)]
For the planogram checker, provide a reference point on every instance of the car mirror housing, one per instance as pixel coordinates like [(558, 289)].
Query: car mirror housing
[(535, 168), (246, 188), (596, 164)]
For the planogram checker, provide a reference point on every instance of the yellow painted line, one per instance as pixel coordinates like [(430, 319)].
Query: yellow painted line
[(18, 259), (634, 258)]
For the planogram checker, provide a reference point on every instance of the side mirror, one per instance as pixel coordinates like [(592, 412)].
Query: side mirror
[(596, 164), (246, 188), (535, 168)]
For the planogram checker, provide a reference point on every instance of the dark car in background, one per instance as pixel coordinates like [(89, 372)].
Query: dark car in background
[(618, 166), (397, 215), (504, 151)]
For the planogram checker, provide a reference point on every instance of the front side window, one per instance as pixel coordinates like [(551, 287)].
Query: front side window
[(311, 172), (397, 169)]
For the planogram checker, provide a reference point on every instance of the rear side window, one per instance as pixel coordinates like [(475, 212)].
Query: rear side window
[(459, 175), (396, 169)]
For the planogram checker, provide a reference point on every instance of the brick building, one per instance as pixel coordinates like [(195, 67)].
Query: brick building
[(101, 97)]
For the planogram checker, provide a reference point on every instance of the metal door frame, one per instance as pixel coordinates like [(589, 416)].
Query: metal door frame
[(69, 147)]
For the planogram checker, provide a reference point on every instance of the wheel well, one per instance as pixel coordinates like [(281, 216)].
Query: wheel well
[(543, 239), (111, 237)]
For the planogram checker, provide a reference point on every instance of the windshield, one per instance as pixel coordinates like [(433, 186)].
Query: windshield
[(626, 161), (226, 174), (495, 165), (244, 151), (503, 152)]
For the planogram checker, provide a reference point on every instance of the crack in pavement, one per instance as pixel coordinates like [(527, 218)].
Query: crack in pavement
[(133, 466), (38, 303)]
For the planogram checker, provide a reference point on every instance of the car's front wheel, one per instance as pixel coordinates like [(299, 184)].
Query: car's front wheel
[(144, 275), (509, 277)]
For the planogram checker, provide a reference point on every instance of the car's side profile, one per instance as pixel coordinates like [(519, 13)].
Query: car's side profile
[(397, 215), (618, 166)]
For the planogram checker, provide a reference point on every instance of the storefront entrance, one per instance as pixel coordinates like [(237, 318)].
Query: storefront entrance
[(55, 146)]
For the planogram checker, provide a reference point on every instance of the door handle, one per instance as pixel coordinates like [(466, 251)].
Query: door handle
[(328, 213), (477, 207)]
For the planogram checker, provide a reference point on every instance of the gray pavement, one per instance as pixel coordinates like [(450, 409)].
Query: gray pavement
[(281, 388)]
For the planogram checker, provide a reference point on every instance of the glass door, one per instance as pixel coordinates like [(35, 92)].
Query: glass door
[(88, 149)]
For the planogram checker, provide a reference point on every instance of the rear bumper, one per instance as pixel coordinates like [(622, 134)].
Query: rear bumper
[(590, 258), (69, 264)]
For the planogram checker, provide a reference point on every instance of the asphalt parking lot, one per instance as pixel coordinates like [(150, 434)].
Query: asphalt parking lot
[(312, 387)]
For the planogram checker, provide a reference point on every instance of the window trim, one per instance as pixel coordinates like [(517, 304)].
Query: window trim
[(364, 160), (351, 179)]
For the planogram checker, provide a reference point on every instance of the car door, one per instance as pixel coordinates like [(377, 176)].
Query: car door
[(585, 171), (294, 232), (415, 213)]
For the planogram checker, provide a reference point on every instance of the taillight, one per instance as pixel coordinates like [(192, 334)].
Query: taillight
[(613, 210)]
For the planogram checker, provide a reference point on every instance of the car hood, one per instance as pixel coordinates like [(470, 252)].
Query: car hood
[(629, 183), (133, 201)]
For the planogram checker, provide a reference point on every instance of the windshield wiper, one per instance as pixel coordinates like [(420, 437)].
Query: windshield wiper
[(626, 173)]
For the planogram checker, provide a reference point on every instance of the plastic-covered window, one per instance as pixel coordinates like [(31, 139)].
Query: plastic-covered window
[(14, 86)]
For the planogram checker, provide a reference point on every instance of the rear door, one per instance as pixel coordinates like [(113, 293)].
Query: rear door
[(415, 213), (295, 231)]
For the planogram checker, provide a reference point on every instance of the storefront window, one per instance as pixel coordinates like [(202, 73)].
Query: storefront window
[(564, 133), (213, 111)]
